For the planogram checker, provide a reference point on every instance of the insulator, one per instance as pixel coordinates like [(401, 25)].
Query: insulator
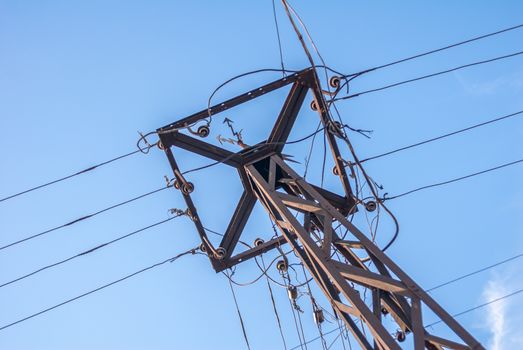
[(318, 316), (281, 265), (159, 144), (335, 170), (177, 184), (203, 248), (293, 292), (370, 206), (220, 253), (258, 242), (335, 127), (203, 131), (400, 336), (314, 105), (334, 81), (187, 187)]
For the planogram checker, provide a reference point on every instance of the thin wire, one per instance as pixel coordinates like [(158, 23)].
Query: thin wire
[(274, 307), (190, 251), (69, 176), (453, 180), (86, 252), (447, 283), (442, 136), (85, 217), (278, 35), (427, 76), (475, 272), (293, 315), (436, 50), (239, 314), (479, 306)]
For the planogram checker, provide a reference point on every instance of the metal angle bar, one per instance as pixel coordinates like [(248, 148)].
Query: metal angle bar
[(320, 276), (445, 342), (370, 278), (238, 221), (288, 114), (220, 107), (194, 213), (374, 250), (376, 328), (205, 149)]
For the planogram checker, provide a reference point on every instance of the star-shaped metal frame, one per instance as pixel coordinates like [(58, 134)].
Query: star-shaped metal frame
[(222, 257)]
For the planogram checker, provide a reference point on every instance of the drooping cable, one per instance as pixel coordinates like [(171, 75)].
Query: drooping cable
[(427, 76), (239, 313), (172, 259), (86, 170), (437, 50), (86, 252), (275, 309), (518, 113), (452, 180), (315, 308), (85, 217), (294, 316)]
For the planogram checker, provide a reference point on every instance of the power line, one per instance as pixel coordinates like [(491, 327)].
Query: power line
[(442, 136), (85, 217), (436, 50), (479, 306), (172, 259), (427, 76), (475, 272), (86, 252), (437, 322), (445, 284), (453, 180), (70, 176)]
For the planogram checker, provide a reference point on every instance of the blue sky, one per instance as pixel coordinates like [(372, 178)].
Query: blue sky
[(79, 79)]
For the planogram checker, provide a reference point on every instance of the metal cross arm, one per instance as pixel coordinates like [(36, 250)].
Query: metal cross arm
[(173, 136)]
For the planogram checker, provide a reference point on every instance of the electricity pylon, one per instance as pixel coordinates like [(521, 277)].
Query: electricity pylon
[(267, 178)]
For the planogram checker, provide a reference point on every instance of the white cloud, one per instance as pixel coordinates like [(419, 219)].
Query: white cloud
[(503, 318)]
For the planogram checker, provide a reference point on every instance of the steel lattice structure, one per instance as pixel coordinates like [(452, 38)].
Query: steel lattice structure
[(267, 178)]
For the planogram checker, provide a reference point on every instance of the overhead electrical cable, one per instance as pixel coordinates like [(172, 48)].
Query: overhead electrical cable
[(70, 176), (517, 256), (239, 314), (519, 26), (518, 113), (172, 259), (85, 217), (278, 36), (86, 252), (512, 258), (479, 306), (426, 76), (437, 322), (452, 180)]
